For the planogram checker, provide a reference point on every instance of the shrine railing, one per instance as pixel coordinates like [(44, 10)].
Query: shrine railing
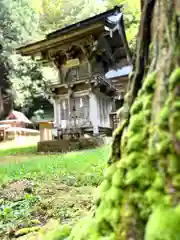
[(114, 120)]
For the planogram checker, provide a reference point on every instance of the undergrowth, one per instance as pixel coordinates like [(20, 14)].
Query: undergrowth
[(56, 186)]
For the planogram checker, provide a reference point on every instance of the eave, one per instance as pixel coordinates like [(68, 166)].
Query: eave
[(46, 44), (90, 26)]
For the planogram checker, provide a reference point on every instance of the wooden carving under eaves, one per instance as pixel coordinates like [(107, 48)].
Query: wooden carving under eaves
[(84, 44)]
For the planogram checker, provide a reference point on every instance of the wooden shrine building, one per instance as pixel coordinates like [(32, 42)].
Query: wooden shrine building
[(76, 59)]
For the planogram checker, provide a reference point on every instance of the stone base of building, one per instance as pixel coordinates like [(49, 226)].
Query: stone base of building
[(57, 146)]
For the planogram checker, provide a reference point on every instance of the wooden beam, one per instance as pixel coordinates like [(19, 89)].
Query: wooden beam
[(81, 93), (46, 44), (108, 49)]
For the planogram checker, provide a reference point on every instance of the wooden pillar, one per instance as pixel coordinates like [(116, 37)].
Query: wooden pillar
[(93, 108), (15, 135), (58, 113), (101, 111), (45, 131), (69, 101), (4, 134), (55, 111)]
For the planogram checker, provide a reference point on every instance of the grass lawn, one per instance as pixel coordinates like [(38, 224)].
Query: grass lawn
[(35, 186), (84, 166)]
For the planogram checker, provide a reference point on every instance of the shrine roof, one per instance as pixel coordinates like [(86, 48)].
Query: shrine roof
[(86, 22), (78, 30)]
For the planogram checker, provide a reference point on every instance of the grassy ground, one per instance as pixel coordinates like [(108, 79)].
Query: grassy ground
[(46, 186)]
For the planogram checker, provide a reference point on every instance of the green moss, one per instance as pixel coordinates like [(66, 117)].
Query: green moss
[(174, 78), (109, 171), (147, 115), (145, 174), (164, 146), (117, 178), (137, 122), (176, 181), (159, 181), (35, 221), (103, 188), (178, 135), (115, 215), (139, 179), (141, 92), (144, 214), (25, 231), (112, 236), (176, 105), (131, 177), (60, 233), (100, 212), (137, 106), (147, 102), (173, 164), (154, 196), (149, 83), (124, 140), (163, 224), (119, 129), (134, 158), (174, 121), (114, 194), (136, 142), (163, 119)]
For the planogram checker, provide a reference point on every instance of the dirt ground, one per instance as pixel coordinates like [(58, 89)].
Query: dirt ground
[(57, 201)]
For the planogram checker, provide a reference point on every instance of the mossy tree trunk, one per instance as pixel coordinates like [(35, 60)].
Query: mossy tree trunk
[(143, 176)]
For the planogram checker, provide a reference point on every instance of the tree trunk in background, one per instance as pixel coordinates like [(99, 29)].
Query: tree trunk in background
[(6, 95), (1, 104), (6, 102), (143, 178)]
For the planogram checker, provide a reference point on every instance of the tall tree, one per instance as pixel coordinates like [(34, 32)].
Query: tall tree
[(7, 34), (19, 25), (56, 14)]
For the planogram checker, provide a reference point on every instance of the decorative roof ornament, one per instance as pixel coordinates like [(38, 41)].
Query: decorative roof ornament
[(113, 23)]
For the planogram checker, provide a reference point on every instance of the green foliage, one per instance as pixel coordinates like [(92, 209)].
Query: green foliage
[(30, 85), (12, 213), (59, 14), (19, 26)]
